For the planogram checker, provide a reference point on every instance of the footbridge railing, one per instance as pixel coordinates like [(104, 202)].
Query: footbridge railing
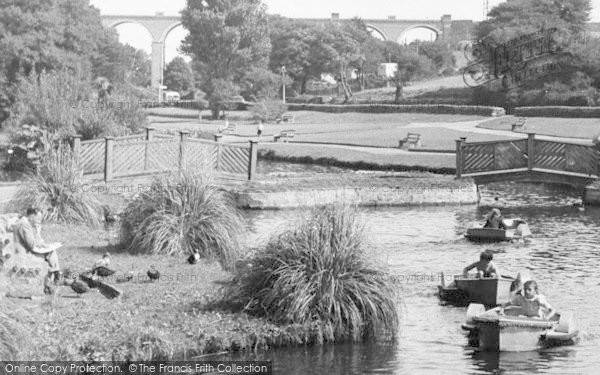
[(526, 155), (149, 153)]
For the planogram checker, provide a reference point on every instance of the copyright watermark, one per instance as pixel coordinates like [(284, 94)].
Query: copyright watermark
[(403, 189)]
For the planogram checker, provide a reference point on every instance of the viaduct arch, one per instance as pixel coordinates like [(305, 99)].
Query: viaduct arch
[(159, 27)]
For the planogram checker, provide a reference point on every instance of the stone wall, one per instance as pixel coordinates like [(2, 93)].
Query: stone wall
[(363, 196)]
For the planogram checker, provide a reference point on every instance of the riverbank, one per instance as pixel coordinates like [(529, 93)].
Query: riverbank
[(368, 189), (172, 318), (296, 190)]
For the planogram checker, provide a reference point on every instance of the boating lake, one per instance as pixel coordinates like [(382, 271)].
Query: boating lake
[(417, 243)]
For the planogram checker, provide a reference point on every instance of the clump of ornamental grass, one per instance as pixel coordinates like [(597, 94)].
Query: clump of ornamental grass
[(181, 215), (56, 189), (318, 272)]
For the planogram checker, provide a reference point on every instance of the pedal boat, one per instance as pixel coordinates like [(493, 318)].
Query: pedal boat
[(515, 229), (513, 332), (487, 291)]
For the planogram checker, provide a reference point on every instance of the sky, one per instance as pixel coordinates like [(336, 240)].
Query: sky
[(136, 36)]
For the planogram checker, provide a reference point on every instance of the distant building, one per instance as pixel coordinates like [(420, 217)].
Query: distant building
[(387, 70), (171, 96)]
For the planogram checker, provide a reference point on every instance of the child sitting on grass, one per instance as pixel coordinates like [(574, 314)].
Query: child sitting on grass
[(531, 302), (485, 267)]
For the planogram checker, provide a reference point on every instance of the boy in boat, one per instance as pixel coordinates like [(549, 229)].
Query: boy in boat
[(531, 302), (485, 267), (494, 220)]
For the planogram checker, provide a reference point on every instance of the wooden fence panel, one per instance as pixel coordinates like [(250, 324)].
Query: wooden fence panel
[(128, 158), (163, 155), (510, 155), (549, 155), (92, 156), (234, 159), (201, 154), (478, 157), (581, 159)]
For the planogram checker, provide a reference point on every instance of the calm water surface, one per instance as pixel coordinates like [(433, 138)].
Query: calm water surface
[(417, 243)]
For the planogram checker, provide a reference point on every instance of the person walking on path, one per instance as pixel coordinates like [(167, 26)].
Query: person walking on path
[(260, 129)]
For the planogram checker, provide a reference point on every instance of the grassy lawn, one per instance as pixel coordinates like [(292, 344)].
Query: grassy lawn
[(167, 309), (431, 137), (351, 156), (169, 316), (383, 129), (388, 93), (559, 127)]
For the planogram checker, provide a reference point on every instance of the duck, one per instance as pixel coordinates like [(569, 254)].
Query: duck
[(193, 258), (109, 218), (102, 271), (153, 274), (79, 287)]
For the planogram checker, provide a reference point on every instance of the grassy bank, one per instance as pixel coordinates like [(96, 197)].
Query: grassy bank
[(585, 128), (358, 160), (173, 317)]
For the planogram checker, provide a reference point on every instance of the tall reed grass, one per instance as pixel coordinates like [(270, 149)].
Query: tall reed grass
[(319, 272), (56, 188), (183, 214)]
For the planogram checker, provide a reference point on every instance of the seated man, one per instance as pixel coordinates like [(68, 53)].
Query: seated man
[(485, 267), (495, 220), (27, 231)]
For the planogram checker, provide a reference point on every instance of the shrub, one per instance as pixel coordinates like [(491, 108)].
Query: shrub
[(56, 189), (268, 110), (390, 108), (181, 215), (62, 103), (318, 272)]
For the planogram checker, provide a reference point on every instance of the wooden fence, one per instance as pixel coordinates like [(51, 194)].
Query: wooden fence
[(152, 153), (529, 154)]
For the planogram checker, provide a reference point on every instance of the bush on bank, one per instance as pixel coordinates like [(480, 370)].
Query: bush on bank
[(53, 188), (183, 214), (558, 111), (319, 273)]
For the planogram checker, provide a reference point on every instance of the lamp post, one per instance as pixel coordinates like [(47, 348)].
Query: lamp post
[(283, 71)]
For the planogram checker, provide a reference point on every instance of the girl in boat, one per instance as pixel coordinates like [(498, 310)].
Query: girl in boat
[(531, 302), (485, 267), (494, 220)]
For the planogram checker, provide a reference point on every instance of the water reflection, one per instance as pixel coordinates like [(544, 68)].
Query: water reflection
[(418, 243)]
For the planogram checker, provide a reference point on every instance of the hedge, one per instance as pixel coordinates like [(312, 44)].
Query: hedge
[(557, 111), (391, 108), (337, 100)]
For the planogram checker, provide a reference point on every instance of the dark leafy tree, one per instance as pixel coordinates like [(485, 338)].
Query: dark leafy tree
[(226, 39), (178, 76)]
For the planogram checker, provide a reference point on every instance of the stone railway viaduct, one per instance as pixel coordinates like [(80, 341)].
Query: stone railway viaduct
[(447, 29)]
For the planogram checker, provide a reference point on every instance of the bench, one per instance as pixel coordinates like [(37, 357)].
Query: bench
[(230, 129), (285, 135), (412, 140), (519, 124), (286, 118)]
